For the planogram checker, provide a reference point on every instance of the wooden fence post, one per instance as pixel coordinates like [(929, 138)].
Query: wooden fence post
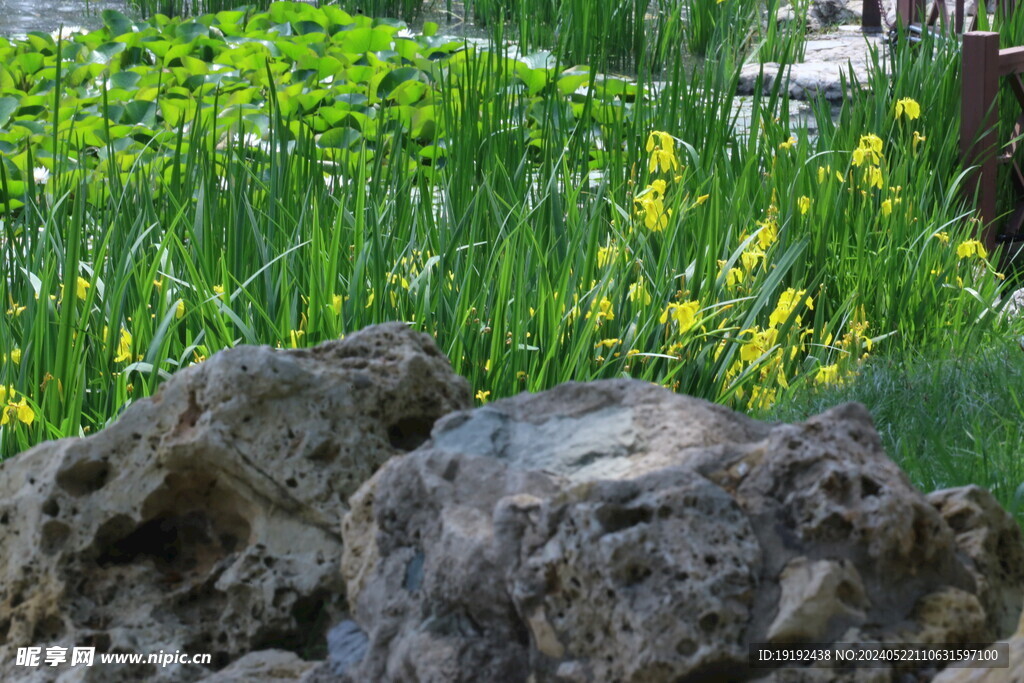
[(979, 114), (871, 16), (909, 11)]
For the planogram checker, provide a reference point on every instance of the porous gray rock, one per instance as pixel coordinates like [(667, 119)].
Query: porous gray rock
[(1014, 305), (990, 541), (264, 666), (828, 60), (339, 514), (814, 594), (616, 531), (825, 13), (822, 14), (1013, 672), (207, 518)]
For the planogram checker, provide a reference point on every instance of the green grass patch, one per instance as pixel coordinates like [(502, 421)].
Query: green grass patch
[(947, 419)]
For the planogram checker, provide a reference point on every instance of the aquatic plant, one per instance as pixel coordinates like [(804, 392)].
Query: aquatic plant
[(171, 187)]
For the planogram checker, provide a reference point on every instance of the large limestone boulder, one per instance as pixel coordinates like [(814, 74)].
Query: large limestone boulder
[(616, 531), (1012, 673), (987, 538), (207, 518), (339, 514)]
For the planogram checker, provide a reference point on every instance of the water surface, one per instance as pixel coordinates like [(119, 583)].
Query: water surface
[(18, 17)]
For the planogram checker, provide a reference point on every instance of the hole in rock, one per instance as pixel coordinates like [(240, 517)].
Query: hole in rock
[(708, 622), (959, 521), (325, 452), (835, 527), (410, 432), (307, 636), (191, 523), (451, 471), (51, 508), (616, 517), (48, 629), (84, 477), (869, 487), (53, 536), (635, 573), (835, 484)]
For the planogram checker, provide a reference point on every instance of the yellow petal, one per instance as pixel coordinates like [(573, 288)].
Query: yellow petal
[(83, 285), (25, 413)]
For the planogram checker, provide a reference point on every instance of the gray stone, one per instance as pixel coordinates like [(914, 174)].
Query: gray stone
[(616, 531), (207, 518), (814, 594), (1014, 305), (1013, 672), (264, 666), (991, 540), (823, 14), (827, 61), (346, 646), (603, 531)]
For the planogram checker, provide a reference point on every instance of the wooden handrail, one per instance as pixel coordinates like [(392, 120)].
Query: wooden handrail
[(914, 11), (983, 65), (1011, 60)]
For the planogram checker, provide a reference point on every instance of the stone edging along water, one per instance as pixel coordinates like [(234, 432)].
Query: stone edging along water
[(827, 58)]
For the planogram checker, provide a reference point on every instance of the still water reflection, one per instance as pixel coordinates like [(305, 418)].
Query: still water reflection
[(18, 17)]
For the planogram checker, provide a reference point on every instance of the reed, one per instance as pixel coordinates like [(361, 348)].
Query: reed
[(544, 221)]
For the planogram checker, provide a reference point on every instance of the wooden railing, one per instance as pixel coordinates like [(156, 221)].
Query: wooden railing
[(983, 65), (918, 13)]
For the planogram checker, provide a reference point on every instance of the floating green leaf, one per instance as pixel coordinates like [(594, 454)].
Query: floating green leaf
[(8, 105), (192, 30), (117, 23), (361, 40)]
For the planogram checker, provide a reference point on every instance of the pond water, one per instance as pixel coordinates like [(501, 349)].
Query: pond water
[(18, 17)]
